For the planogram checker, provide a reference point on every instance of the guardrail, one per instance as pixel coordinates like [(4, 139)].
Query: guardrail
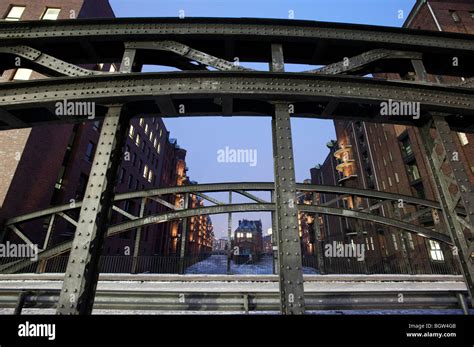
[(243, 302)]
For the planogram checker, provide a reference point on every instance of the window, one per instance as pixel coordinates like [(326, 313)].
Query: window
[(134, 159), (249, 235), (161, 132), (435, 251), (96, 125), (112, 68), (22, 74), (140, 165), (145, 171), (131, 131), (122, 175), (389, 181), (383, 184), (90, 151), (146, 129), (51, 14), (406, 147), (455, 16), (396, 178), (413, 172), (15, 13), (130, 180), (138, 140), (463, 139), (150, 176), (394, 239), (142, 121), (155, 143), (410, 241), (158, 150), (151, 136)]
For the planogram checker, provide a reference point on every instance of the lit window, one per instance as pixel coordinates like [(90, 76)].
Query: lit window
[(137, 140), (150, 176), (161, 132), (15, 13), (463, 139), (455, 16), (410, 241), (112, 68), (394, 239), (435, 251), (51, 14), (249, 235), (155, 143), (159, 148), (151, 136), (142, 121), (145, 171), (396, 178), (22, 74), (146, 129), (131, 131), (390, 181)]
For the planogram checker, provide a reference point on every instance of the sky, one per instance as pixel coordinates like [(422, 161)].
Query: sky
[(204, 137)]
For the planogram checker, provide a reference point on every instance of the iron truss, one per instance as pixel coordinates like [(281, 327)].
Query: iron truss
[(66, 212), (199, 47)]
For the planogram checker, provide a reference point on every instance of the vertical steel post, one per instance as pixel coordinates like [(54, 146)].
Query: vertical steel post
[(229, 235), (318, 242), (453, 188), (82, 272), (274, 237), (184, 236), (80, 282), (138, 239), (289, 245)]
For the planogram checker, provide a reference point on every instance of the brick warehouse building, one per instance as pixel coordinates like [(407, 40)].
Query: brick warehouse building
[(390, 158), (50, 165)]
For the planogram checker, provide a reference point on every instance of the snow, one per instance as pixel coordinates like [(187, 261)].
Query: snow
[(217, 264)]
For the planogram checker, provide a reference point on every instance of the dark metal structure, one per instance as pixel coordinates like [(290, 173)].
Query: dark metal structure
[(200, 46)]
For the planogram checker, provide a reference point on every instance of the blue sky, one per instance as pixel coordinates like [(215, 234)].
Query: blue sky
[(203, 137)]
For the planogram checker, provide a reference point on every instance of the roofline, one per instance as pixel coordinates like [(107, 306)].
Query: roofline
[(414, 11)]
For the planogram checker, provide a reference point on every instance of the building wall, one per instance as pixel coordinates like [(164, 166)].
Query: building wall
[(382, 164), (50, 155)]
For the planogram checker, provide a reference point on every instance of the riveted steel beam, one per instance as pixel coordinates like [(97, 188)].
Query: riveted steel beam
[(453, 188), (251, 87), (289, 246), (138, 238), (247, 186), (237, 208), (187, 52), (184, 236), (359, 62), (47, 61), (78, 290)]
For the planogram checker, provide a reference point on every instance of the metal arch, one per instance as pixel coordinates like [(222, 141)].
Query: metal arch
[(223, 209), (271, 86), (238, 186), (47, 61), (130, 29)]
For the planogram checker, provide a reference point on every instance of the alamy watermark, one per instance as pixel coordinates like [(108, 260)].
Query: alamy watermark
[(24, 250), (340, 250), (75, 108), (400, 108), (230, 155)]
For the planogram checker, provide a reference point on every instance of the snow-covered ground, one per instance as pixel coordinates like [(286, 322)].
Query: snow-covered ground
[(217, 264)]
